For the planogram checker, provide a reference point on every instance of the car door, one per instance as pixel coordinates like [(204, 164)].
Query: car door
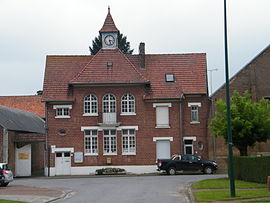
[(185, 162), (194, 163), (178, 163)]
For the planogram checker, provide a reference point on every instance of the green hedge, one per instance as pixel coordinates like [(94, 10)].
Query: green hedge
[(253, 169)]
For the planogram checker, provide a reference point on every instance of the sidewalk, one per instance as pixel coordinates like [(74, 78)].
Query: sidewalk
[(30, 194)]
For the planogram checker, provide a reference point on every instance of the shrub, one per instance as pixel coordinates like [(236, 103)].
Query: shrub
[(110, 171), (253, 169)]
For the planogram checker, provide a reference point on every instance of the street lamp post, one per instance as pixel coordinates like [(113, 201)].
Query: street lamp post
[(229, 130), (211, 71)]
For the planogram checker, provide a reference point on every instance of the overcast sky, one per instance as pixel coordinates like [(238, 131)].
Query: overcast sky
[(32, 29)]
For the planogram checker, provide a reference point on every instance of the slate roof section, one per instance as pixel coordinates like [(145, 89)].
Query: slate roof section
[(109, 25), (17, 120), (97, 71), (189, 71), (29, 103)]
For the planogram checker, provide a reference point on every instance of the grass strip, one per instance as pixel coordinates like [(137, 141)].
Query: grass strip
[(224, 195), (10, 201), (223, 183)]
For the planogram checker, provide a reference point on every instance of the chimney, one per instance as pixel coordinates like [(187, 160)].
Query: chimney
[(142, 54)]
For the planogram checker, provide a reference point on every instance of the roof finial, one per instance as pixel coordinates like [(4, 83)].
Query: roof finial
[(108, 9)]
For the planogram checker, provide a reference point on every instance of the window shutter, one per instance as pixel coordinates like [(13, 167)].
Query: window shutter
[(162, 116)]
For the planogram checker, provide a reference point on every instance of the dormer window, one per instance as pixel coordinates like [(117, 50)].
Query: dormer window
[(109, 64), (169, 77)]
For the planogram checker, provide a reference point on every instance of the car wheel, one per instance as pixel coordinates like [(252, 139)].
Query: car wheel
[(171, 171), (4, 184), (208, 170)]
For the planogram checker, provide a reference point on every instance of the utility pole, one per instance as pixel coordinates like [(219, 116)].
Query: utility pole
[(229, 130), (211, 71)]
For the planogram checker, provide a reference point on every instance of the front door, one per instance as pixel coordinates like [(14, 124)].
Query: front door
[(163, 148), (62, 163)]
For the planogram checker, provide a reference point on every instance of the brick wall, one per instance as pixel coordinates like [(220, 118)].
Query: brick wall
[(145, 119)]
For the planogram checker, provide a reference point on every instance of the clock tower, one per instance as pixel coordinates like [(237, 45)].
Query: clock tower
[(109, 33)]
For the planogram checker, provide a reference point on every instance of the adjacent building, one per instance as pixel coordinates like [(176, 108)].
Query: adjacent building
[(22, 141), (117, 110), (254, 78)]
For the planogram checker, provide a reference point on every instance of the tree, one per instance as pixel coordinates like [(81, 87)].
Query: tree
[(123, 45), (250, 121)]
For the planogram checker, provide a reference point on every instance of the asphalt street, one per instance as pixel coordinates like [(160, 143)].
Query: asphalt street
[(132, 189)]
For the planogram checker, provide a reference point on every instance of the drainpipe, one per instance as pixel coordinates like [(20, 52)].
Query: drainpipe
[(181, 130), (47, 160)]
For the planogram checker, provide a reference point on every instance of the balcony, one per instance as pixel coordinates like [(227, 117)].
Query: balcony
[(109, 119)]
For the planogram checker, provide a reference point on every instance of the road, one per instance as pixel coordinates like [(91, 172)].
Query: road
[(131, 189)]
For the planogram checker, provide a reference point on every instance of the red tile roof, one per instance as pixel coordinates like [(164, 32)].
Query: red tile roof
[(189, 71), (30, 103), (109, 25), (59, 71), (97, 70)]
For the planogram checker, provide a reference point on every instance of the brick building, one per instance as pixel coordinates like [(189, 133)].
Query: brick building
[(253, 77), (126, 111)]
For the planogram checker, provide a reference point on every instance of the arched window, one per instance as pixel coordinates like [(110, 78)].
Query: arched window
[(109, 103), (128, 104), (90, 105)]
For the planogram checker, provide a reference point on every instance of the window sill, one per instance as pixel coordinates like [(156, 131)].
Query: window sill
[(129, 153), (128, 114), (195, 122), (90, 114), (62, 116), (109, 154), (163, 126), (87, 154)]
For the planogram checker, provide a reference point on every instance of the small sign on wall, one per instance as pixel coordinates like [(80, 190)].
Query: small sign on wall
[(23, 155), (78, 157)]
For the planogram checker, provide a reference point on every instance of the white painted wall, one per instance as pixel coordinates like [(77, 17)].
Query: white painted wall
[(90, 170)]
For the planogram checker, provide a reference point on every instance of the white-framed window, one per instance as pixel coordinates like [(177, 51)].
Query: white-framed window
[(194, 112), (91, 142), (128, 104), (109, 142), (62, 111), (109, 103), (90, 105), (128, 142), (162, 114)]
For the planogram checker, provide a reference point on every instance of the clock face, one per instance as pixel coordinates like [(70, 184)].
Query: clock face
[(109, 40)]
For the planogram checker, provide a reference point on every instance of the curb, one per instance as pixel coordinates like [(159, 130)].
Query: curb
[(63, 196), (190, 193)]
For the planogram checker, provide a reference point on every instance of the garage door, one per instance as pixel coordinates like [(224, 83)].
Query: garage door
[(163, 148), (23, 161)]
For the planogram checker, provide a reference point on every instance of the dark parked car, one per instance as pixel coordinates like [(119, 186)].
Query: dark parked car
[(6, 175), (186, 162)]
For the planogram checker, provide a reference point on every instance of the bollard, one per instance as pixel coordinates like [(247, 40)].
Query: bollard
[(268, 182)]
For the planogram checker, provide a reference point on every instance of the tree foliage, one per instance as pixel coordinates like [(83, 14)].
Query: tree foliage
[(250, 122), (123, 45)]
